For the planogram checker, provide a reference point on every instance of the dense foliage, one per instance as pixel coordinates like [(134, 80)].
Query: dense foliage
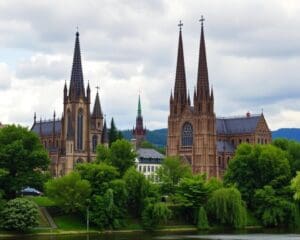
[(171, 171), (226, 206), (255, 166), (202, 222), (23, 159), (19, 215), (154, 215), (69, 192)]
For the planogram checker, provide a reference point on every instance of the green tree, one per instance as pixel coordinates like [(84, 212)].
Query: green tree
[(104, 212), (122, 155), (154, 215), (274, 210), (226, 207), (138, 189), (102, 154), (295, 185), (292, 149), (24, 159), (170, 173), (99, 175), (19, 214), (69, 192), (113, 132), (202, 222), (255, 166), (194, 190)]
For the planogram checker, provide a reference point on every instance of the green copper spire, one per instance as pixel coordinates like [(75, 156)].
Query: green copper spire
[(139, 112)]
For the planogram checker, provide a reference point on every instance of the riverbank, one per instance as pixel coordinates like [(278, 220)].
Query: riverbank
[(166, 229)]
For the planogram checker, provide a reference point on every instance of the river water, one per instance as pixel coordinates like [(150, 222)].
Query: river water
[(168, 236)]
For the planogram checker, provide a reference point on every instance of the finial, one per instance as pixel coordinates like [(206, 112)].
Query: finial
[(180, 25), (97, 87), (77, 31), (202, 19), (54, 114)]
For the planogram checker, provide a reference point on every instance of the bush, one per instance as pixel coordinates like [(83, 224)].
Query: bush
[(19, 214), (226, 206), (69, 192), (202, 222), (155, 214)]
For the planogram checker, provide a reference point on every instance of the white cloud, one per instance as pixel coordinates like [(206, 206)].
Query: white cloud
[(253, 52)]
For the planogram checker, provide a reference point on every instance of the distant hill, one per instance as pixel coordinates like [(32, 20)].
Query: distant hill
[(159, 137), (289, 133)]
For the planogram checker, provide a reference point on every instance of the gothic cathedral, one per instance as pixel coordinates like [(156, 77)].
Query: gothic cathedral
[(194, 132), (73, 138)]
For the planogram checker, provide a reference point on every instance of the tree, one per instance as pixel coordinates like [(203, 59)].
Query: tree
[(122, 155), (102, 154), (295, 185), (99, 175), (226, 206), (292, 150), (69, 192), (154, 215), (113, 132), (170, 173), (255, 166), (194, 190), (104, 212), (274, 210), (138, 189), (19, 214), (202, 223), (24, 159)]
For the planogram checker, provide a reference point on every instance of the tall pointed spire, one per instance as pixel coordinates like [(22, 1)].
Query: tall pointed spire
[(97, 111), (139, 111), (202, 81), (180, 80), (76, 83), (104, 137)]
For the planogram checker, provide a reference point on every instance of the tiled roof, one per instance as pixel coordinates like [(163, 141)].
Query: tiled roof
[(47, 127), (238, 125), (224, 146), (149, 153)]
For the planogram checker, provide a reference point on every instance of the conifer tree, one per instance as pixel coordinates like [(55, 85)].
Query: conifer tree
[(202, 223), (113, 133)]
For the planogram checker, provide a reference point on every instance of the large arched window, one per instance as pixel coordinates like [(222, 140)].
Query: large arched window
[(187, 135), (79, 129), (69, 124), (94, 142)]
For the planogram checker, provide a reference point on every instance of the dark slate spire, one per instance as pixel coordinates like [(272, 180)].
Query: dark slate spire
[(97, 112), (104, 137), (202, 81), (180, 80), (76, 83), (139, 111)]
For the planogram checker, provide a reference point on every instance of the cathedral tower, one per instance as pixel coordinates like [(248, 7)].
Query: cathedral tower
[(76, 134), (139, 132), (191, 129)]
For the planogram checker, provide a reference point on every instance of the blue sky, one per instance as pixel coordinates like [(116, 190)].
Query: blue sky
[(253, 53)]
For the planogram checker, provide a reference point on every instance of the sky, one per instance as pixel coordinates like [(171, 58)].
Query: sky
[(129, 47)]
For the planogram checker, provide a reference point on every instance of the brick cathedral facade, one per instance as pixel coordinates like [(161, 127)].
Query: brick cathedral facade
[(195, 133)]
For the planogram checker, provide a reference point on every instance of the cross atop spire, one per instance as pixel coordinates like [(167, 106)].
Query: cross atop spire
[(202, 19), (98, 88), (180, 25), (202, 81), (180, 91)]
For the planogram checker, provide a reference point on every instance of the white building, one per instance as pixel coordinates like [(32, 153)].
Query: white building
[(148, 162)]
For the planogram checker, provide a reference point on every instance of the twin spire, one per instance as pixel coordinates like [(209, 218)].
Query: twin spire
[(202, 90)]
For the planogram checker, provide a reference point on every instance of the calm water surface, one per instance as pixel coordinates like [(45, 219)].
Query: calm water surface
[(172, 236)]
